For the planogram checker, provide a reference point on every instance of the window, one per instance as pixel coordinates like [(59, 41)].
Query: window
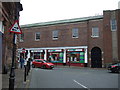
[(113, 25), (75, 33), (95, 32), (55, 34), (1, 27), (21, 37), (37, 36)]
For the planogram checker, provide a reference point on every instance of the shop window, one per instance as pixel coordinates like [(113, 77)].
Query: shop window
[(95, 32), (56, 57), (76, 57), (36, 55), (82, 58), (113, 25), (55, 34), (21, 37), (37, 36), (75, 33)]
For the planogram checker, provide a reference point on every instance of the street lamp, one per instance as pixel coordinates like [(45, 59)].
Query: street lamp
[(15, 29)]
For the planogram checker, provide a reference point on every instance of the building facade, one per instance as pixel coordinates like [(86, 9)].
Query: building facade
[(77, 42), (9, 12)]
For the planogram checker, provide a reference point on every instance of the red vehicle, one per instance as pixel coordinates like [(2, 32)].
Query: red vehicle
[(42, 64)]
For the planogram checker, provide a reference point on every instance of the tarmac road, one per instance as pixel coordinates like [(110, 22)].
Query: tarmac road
[(65, 77)]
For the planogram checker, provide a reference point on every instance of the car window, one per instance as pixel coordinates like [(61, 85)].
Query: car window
[(38, 60)]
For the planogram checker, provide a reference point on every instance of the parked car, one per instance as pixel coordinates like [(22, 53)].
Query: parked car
[(114, 67), (42, 64)]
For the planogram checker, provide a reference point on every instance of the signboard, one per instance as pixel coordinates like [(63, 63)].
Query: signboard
[(36, 50), (58, 50), (15, 28), (79, 50)]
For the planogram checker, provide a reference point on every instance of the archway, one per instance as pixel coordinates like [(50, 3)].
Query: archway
[(96, 58)]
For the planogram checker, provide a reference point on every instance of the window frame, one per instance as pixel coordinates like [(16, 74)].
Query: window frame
[(55, 34), (36, 36), (21, 37), (113, 25), (75, 33), (94, 34)]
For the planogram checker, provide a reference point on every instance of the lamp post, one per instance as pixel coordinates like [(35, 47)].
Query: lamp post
[(15, 29), (12, 72)]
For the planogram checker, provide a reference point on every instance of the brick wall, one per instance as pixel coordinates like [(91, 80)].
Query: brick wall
[(64, 36)]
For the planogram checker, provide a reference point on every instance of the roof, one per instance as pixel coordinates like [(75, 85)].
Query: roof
[(62, 21)]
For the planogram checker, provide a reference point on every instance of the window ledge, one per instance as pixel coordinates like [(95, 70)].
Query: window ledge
[(37, 40), (75, 37), (54, 38), (95, 36)]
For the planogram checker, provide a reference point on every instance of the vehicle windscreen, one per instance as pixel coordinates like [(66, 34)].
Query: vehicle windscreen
[(45, 61)]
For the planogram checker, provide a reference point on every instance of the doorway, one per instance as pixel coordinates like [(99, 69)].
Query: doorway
[(96, 58)]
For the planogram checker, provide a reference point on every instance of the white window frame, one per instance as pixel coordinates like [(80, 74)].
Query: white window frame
[(55, 34), (36, 36), (21, 39), (113, 24), (75, 33), (95, 32), (1, 27)]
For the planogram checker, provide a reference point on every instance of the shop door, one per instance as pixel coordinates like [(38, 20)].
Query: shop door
[(96, 60)]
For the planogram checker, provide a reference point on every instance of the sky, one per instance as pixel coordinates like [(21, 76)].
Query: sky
[(37, 11)]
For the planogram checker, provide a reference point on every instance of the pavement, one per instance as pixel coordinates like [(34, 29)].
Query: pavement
[(19, 79)]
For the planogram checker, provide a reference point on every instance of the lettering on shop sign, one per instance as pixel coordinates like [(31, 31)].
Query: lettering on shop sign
[(75, 50), (37, 51), (59, 50)]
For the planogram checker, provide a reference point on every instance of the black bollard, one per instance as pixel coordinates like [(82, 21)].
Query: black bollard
[(28, 67), (25, 73)]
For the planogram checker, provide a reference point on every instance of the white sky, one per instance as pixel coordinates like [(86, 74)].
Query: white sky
[(35, 11)]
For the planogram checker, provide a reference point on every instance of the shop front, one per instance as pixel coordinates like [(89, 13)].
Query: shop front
[(55, 56), (75, 57), (37, 54)]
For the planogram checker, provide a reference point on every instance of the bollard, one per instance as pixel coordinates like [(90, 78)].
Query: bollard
[(25, 73), (28, 67)]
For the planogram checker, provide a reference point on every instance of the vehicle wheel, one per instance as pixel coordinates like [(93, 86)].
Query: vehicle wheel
[(112, 71), (51, 68), (43, 67), (118, 71), (33, 66)]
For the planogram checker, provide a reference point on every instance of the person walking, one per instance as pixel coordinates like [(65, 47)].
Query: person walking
[(22, 62)]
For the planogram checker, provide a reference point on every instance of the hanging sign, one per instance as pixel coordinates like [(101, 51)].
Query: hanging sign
[(15, 28)]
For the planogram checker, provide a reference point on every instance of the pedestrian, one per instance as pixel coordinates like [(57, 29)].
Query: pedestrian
[(22, 62)]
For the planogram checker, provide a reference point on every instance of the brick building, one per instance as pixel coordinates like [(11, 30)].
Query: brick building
[(9, 12), (89, 41)]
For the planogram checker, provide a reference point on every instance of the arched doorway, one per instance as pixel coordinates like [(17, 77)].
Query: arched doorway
[(96, 58)]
